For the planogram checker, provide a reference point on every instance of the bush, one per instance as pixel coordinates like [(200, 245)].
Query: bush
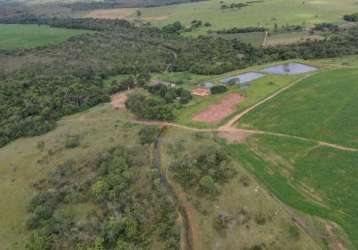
[(148, 134), (72, 141), (149, 107), (351, 18), (218, 89)]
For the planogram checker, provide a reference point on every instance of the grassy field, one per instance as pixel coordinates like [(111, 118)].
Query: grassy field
[(317, 180), (265, 13), (322, 107), (14, 36), (242, 193), (290, 37), (27, 160)]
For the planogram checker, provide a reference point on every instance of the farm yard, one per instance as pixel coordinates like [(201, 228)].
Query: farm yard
[(255, 85), (14, 36)]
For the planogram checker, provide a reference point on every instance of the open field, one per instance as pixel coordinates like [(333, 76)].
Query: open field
[(266, 13), (242, 200), (14, 36), (317, 180), (290, 37), (322, 107)]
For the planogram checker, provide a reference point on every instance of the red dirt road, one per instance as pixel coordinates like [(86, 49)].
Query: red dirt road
[(215, 113)]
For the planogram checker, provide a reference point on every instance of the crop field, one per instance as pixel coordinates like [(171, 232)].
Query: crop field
[(14, 36), (266, 13), (315, 179), (322, 107)]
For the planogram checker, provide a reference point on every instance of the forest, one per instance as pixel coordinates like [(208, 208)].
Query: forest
[(43, 84)]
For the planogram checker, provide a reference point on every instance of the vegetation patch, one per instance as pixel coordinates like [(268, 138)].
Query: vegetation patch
[(19, 36)]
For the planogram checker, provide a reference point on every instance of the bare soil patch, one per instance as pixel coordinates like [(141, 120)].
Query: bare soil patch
[(215, 113), (335, 243), (118, 100), (155, 18), (112, 13), (234, 136)]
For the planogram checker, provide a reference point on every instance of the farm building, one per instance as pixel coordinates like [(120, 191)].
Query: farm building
[(201, 91)]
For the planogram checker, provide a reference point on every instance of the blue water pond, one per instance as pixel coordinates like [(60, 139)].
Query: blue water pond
[(289, 69)]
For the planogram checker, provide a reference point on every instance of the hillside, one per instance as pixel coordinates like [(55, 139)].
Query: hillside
[(183, 125)]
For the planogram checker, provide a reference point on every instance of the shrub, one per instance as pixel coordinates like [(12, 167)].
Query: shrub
[(72, 141), (218, 89), (148, 134)]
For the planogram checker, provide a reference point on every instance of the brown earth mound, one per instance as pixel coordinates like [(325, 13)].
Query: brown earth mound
[(119, 99), (215, 113)]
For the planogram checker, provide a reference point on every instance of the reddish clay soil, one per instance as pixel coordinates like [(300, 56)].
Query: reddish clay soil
[(119, 99), (215, 113), (233, 136)]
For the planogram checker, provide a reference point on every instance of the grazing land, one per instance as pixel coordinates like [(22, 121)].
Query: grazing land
[(266, 13), (15, 36), (253, 217), (290, 37), (314, 179), (322, 107)]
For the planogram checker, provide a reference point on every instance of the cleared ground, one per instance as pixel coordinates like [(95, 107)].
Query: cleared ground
[(266, 13), (14, 36), (217, 112), (322, 107)]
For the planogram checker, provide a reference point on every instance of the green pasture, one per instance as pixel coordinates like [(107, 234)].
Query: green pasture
[(317, 180), (322, 107), (266, 13), (15, 36)]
